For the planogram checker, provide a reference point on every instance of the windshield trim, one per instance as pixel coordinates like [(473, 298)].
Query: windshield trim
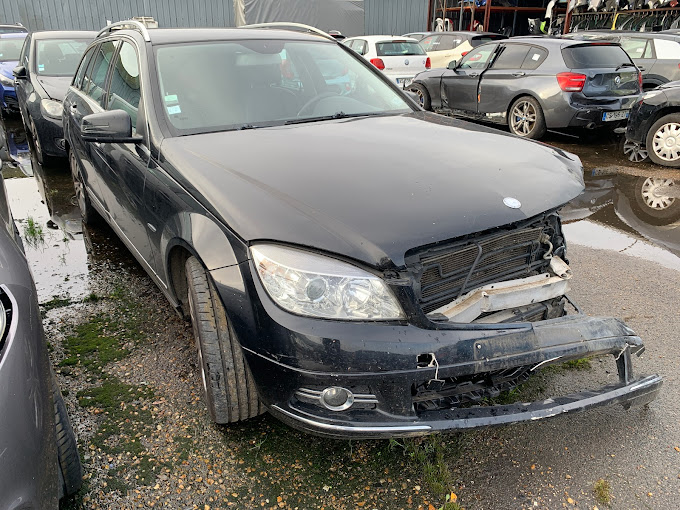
[(170, 131)]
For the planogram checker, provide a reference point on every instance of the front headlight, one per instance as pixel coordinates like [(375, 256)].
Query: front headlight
[(318, 286), (6, 81), (51, 108)]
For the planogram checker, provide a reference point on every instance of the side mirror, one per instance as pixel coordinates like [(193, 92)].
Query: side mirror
[(452, 65), (114, 126), (19, 72)]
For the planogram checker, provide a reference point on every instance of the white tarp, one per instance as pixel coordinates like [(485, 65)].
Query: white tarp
[(344, 15)]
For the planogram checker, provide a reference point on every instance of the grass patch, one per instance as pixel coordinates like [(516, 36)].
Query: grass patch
[(33, 233), (577, 364), (94, 344), (56, 302), (603, 492)]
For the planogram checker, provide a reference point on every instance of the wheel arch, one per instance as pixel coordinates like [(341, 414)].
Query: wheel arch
[(661, 112), (523, 93)]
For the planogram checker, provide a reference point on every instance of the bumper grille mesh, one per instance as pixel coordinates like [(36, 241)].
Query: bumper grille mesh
[(488, 259)]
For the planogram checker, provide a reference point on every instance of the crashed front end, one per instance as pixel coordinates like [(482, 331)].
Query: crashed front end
[(483, 313)]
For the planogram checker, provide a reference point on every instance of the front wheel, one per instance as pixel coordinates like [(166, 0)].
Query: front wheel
[(422, 93), (663, 141), (526, 118), (87, 211), (228, 384)]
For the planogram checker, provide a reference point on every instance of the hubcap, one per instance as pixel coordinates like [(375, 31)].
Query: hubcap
[(666, 142), (655, 193), (523, 118), (635, 152)]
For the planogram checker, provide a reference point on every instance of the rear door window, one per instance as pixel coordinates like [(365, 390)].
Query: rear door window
[(448, 42), (635, 46), (534, 58), (431, 43), (594, 56), (398, 48), (512, 56)]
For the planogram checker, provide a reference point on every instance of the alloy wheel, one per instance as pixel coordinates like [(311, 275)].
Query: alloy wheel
[(635, 152), (77, 183), (666, 142), (655, 193), (421, 97), (523, 118)]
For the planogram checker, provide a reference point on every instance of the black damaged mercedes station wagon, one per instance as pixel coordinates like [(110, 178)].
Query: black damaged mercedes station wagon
[(354, 265)]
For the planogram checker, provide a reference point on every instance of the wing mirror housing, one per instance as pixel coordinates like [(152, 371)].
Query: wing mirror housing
[(114, 126), (19, 72), (453, 65)]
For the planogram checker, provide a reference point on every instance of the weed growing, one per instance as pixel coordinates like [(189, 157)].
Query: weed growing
[(603, 492)]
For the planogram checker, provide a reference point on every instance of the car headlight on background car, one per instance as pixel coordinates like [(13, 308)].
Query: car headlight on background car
[(51, 108), (6, 81), (317, 286)]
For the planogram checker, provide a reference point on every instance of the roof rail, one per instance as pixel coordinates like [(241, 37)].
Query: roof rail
[(296, 27), (126, 24)]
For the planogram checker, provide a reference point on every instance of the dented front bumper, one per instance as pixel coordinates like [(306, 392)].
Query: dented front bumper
[(385, 398)]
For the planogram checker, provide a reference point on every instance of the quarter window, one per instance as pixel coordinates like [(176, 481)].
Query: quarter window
[(95, 80), (125, 91)]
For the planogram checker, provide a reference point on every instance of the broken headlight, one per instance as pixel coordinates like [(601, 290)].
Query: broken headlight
[(317, 286)]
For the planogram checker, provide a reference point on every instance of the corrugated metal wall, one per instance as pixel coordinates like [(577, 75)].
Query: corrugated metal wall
[(92, 14), (395, 17)]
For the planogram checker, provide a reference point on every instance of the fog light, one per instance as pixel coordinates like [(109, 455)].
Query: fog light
[(336, 398)]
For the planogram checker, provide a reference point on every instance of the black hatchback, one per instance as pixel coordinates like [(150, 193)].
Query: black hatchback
[(337, 274)]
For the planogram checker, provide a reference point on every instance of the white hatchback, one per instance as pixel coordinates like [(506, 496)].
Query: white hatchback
[(400, 58)]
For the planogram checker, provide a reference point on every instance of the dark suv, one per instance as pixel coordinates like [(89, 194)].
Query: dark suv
[(348, 280)]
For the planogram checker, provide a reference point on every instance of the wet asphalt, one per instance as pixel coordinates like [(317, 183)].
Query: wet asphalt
[(624, 249)]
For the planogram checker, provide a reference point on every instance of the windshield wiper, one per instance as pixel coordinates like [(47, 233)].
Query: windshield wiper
[(626, 64), (336, 115)]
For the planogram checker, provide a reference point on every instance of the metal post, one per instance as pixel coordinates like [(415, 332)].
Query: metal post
[(487, 15)]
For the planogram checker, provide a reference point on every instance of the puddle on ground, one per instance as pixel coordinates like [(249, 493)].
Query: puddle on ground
[(60, 251), (627, 207)]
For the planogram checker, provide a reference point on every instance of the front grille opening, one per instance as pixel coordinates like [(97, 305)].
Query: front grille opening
[(449, 271), (454, 392), (542, 311)]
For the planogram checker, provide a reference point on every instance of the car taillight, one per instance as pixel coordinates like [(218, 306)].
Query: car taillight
[(640, 79), (571, 82), (377, 62), (428, 64)]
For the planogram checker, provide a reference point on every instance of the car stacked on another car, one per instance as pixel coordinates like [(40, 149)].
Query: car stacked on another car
[(657, 54), (534, 84), (46, 66), (10, 49), (443, 47), (331, 283), (399, 58)]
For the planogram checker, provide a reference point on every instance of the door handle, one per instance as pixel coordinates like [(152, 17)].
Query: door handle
[(473, 75), (519, 73)]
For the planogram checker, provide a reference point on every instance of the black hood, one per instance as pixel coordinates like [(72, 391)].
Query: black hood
[(372, 188), (55, 86)]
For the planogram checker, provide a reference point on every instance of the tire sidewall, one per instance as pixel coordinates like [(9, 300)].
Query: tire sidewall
[(649, 142)]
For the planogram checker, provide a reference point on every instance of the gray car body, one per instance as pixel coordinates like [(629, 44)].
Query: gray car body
[(655, 71), (29, 473), (498, 89)]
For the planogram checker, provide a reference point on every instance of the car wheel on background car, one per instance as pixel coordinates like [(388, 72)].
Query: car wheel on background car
[(37, 147), (655, 200), (422, 93), (228, 384), (526, 118), (663, 141), (70, 469), (88, 213), (634, 151)]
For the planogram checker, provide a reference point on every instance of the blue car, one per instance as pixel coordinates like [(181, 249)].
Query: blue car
[(10, 48)]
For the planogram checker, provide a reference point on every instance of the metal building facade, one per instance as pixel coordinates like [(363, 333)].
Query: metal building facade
[(380, 16), (395, 17), (93, 14)]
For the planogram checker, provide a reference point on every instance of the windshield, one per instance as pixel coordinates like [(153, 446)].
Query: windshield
[(398, 48), (59, 57), (244, 84), (10, 49)]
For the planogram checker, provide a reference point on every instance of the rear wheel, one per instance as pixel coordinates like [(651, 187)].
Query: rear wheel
[(422, 93), (228, 384), (87, 211), (526, 118), (663, 141), (70, 469)]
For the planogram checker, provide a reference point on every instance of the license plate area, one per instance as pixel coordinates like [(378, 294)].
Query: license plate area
[(617, 115), (404, 81)]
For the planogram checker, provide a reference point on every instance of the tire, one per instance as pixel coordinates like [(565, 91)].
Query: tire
[(228, 385), (87, 211), (663, 141), (526, 119), (42, 158), (653, 203), (70, 469), (422, 93)]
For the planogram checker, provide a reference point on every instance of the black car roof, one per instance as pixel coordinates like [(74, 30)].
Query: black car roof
[(183, 35), (61, 34)]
